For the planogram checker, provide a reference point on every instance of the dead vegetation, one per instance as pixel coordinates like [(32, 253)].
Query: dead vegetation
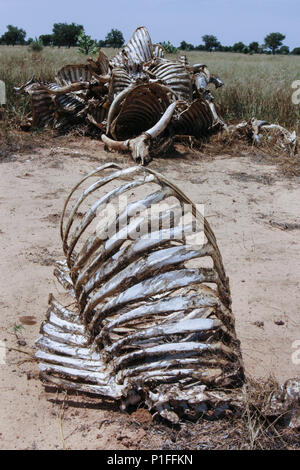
[(254, 425), (248, 430), (232, 146)]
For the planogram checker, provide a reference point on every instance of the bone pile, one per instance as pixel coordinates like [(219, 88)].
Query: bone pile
[(139, 101), (152, 321)]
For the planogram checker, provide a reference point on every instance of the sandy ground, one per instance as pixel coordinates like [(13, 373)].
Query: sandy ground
[(253, 211)]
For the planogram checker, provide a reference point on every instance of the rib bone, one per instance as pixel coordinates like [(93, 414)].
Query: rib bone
[(152, 304)]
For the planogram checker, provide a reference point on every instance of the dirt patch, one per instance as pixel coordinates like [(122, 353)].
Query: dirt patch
[(261, 260), (40, 256), (262, 179), (277, 224), (53, 218), (142, 416), (284, 225)]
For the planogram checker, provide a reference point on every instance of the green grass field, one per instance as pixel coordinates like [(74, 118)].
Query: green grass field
[(255, 85)]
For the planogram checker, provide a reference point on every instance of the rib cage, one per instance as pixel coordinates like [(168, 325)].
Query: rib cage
[(113, 85), (195, 119), (153, 311), (73, 74), (42, 106), (137, 51), (158, 51), (140, 110), (120, 79), (97, 112), (175, 76)]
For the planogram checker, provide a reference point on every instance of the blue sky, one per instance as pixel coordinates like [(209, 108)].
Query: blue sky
[(174, 20)]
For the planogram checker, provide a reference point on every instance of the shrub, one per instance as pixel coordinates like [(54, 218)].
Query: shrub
[(36, 45), (86, 45), (296, 51), (168, 47)]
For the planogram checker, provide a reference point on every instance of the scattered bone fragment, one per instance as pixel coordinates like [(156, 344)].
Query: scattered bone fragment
[(258, 131), (284, 404)]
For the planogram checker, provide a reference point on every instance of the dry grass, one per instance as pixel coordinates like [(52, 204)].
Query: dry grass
[(248, 430), (18, 64), (245, 428), (233, 145), (256, 85)]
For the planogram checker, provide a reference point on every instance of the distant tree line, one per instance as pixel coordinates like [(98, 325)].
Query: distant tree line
[(72, 35), (63, 34), (272, 45)]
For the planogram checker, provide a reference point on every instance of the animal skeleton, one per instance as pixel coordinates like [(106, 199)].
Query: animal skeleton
[(153, 321), (139, 100)]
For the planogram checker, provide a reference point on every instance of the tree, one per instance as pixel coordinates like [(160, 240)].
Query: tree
[(238, 47), (227, 48), (190, 47), (254, 47), (46, 39), (284, 50), (185, 46), (101, 43), (66, 34), (13, 36), (114, 38), (221, 48), (200, 47), (210, 41), (273, 41), (296, 51), (86, 45)]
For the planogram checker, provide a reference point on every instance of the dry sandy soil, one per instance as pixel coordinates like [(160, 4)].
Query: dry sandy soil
[(254, 212)]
